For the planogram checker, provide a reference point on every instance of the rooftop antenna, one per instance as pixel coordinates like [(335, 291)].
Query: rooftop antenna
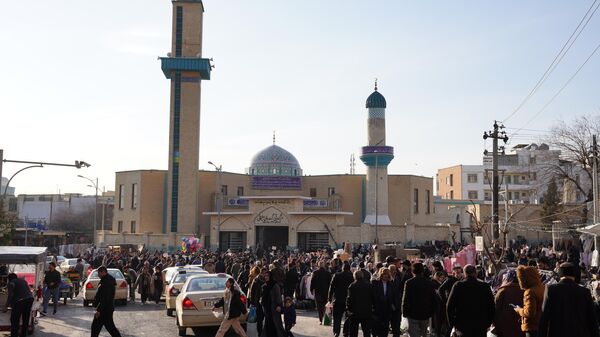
[(352, 164)]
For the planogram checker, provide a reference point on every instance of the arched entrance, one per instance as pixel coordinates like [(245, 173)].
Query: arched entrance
[(271, 227)]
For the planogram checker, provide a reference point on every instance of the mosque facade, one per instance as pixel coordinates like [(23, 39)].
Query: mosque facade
[(274, 203)]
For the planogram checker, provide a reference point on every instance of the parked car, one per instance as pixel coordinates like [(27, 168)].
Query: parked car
[(194, 304), (91, 286)]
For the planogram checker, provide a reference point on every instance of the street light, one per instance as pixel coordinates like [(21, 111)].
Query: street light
[(219, 170), (94, 185)]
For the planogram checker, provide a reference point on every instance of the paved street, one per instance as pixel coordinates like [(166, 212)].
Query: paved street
[(149, 320)]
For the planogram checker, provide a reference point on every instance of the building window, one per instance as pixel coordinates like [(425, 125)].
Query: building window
[(473, 195), (428, 201), (487, 196), (533, 176), (452, 195), (134, 195), (224, 190), (508, 179), (313, 192), (532, 161), (119, 226), (416, 201), (450, 180), (133, 226), (240, 191), (121, 196), (472, 178), (330, 191)]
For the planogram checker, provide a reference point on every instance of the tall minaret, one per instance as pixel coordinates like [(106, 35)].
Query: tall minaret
[(185, 68), (376, 156)]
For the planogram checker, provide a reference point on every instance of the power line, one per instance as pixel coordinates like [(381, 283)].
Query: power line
[(560, 90), (558, 58)]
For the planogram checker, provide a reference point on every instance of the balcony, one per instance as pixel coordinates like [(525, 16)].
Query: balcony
[(379, 156)]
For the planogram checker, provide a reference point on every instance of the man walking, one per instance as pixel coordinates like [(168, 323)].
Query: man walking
[(471, 305), (52, 283), (20, 300), (104, 304), (568, 309), (338, 291), (418, 302), (359, 304), (319, 285)]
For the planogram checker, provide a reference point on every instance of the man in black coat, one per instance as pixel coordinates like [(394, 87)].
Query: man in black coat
[(568, 309), (20, 301), (292, 278), (471, 305), (446, 288), (359, 305), (418, 302), (319, 285), (383, 303), (338, 292), (104, 304)]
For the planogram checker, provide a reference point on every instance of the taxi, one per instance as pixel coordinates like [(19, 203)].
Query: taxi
[(91, 286), (174, 286), (194, 304), (167, 275)]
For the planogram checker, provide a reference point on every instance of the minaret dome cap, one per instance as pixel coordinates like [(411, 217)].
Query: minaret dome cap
[(375, 100)]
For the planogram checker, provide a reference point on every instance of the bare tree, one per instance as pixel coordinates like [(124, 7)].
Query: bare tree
[(70, 221), (574, 140)]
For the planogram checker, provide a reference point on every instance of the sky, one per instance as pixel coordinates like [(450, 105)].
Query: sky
[(81, 81)]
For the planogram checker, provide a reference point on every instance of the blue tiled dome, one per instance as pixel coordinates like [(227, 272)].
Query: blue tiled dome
[(274, 161), (375, 100)]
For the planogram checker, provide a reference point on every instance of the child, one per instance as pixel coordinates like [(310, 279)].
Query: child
[(289, 316)]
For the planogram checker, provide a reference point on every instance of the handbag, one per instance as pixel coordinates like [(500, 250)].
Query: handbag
[(252, 314)]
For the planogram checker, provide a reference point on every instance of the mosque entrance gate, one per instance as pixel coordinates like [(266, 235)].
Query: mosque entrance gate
[(272, 236)]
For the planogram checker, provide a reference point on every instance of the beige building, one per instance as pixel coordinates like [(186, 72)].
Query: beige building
[(320, 210)]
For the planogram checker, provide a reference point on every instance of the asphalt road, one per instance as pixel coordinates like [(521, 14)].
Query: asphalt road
[(148, 320)]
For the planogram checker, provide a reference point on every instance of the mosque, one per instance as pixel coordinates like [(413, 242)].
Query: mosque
[(274, 203)]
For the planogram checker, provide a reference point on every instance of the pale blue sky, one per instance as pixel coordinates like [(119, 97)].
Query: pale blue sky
[(80, 80)]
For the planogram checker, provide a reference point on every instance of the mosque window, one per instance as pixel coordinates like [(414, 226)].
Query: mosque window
[(313, 192), (240, 191), (427, 201), (274, 171), (330, 191), (416, 201), (134, 195), (119, 226)]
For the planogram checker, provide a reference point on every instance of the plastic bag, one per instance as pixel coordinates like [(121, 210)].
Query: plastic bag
[(404, 324), (327, 319), (252, 314)]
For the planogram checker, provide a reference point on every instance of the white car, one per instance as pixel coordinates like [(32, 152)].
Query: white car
[(68, 263), (194, 304), (91, 286)]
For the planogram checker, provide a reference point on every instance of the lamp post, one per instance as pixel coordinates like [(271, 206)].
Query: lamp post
[(95, 186), (219, 200)]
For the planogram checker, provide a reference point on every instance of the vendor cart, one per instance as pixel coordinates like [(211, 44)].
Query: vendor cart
[(27, 263), (66, 289)]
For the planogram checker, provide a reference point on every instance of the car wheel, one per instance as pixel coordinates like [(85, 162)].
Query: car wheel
[(170, 312), (65, 300), (182, 330)]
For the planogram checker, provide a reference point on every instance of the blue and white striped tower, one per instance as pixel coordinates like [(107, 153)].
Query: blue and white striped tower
[(377, 156)]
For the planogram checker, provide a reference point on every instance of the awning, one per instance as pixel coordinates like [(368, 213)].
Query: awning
[(22, 255)]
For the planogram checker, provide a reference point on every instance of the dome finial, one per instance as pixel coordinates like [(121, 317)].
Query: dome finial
[(375, 83), (273, 137)]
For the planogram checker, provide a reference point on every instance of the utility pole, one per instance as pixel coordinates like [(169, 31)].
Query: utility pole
[(596, 254), (496, 134)]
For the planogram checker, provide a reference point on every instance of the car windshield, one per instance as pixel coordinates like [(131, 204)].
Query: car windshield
[(114, 273), (181, 277), (207, 283)]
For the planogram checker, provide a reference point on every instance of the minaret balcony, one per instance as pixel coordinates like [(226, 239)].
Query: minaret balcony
[(377, 156), (198, 65)]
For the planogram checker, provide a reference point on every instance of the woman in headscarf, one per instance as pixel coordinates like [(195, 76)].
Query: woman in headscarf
[(272, 304), (506, 320)]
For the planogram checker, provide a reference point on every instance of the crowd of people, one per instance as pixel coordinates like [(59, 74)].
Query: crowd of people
[(522, 291)]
